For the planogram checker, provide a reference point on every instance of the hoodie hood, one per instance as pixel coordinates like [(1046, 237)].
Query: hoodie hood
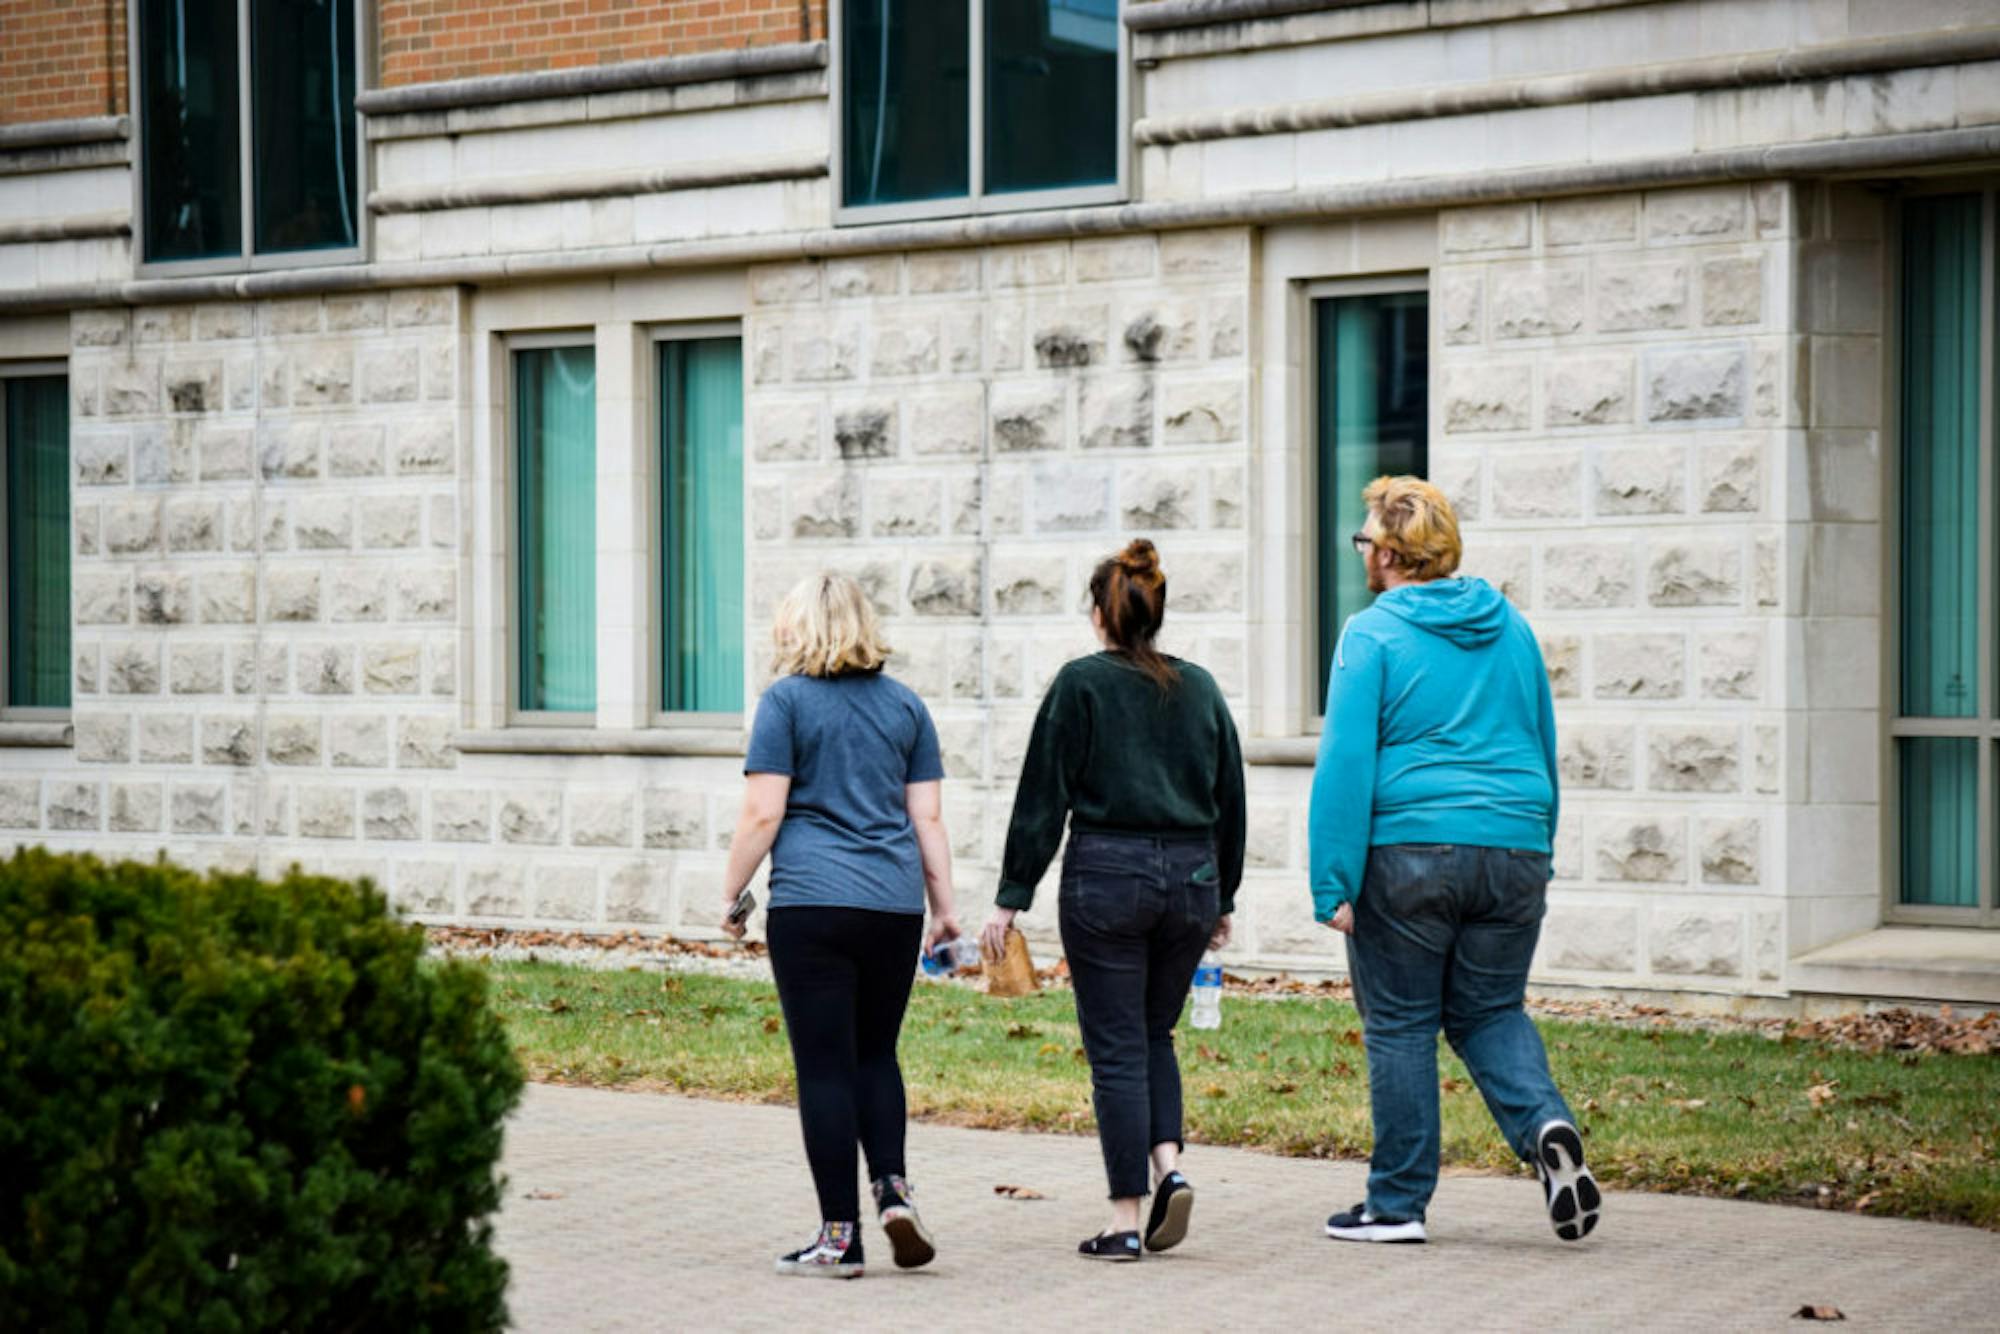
[(1468, 612)]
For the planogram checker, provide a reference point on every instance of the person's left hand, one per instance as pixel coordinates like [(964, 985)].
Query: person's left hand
[(993, 940), (734, 930), (1343, 920)]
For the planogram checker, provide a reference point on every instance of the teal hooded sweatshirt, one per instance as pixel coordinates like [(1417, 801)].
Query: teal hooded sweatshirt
[(1439, 729)]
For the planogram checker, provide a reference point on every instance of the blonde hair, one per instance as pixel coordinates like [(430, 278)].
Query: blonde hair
[(1417, 523), (826, 627)]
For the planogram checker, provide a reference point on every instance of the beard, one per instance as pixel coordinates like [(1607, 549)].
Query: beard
[(1375, 581)]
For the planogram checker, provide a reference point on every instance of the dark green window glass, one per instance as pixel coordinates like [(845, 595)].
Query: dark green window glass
[(188, 129), (1051, 94), (555, 434), (906, 121), (1940, 458), (302, 90), (701, 525), (1939, 791), (1373, 397), (34, 437)]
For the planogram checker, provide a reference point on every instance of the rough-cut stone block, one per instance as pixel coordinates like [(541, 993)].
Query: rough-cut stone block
[(292, 739), (1111, 258), (905, 507), (194, 669), (1584, 574), (1590, 220), (905, 348), (425, 447), (131, 527), (1562, 658), (461, 816), (1591, 940), (1487, 396), (1694, 759), (1537, 486), (1695, 384), (1211, 252), (600, 819), (424, 743), (1226, 487), (392, 813), (1537, 301), (1703, 213), (1027, 416), (291, 595), (426, 889), (326, 668), (826, 507), (1639, 666), (1641, 848), (136, 808), (947, 422), (100, 460), (638, 892), (944, 271), (227, 596), (325, 812), (1730, 851), (1201, 411), (1159, 497), (785, 432), (1641, 296), (1117, 411), (132, 668), (946, 586), (1595, 755), (75, 805), (784, 284), (194, 525), (566, 893), (1732, 291), (1698, 573), (674, 818), (1499, 227), (874, 275), (196, 808), (1731, 664), (1508, 566), (530, 816), (1461, 306), (357, 741), (1643, 479), (1039, 265), (102, 738), (1159, 331), (1072, 498), (1027, 586), (102, 597), (229, 740), (1692, 944), (389, 522), (166, 738), (322, 523), (427, 593), (1731, 479), (1587, 391), (1208, 582), (358, 593), (496, 890), (20, 803), (865, 431), (1069, 338)]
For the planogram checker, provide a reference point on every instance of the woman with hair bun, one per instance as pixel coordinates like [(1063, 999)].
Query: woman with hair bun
[(1138, 753)]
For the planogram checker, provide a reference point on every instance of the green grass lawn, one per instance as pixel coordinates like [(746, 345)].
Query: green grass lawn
[(1732, 1114)]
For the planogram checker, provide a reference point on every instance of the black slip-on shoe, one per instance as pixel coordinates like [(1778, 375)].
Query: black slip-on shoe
[(1357, 1224), (1120, 1246), (1567, 1185), (896, 1209), (1173, 1202), (834, 1253)]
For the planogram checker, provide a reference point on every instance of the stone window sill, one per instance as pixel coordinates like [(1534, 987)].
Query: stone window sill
[(714, 741), (1297, 752), (45, 735)]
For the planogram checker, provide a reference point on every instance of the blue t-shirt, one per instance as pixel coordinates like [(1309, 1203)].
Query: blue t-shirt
[(851, 744)]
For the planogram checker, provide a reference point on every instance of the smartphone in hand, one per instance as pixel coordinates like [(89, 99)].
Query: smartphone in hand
[(739, 912)]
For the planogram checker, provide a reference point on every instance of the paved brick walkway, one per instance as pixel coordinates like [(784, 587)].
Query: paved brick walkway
[(668, 1212)]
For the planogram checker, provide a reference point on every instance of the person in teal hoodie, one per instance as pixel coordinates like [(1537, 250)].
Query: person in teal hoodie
[(1432, 821)]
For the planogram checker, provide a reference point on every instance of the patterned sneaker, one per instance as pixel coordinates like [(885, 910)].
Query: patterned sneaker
[(1122, 1246), (896, 1207), (834, 1253), (1167, 1225), (1357, 1224), (1570, 1190)]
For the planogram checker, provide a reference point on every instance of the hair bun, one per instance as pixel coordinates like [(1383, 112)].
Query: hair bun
[(1140, 559)]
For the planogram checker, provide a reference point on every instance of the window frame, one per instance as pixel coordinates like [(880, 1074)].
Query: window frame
[(510, 491), (975, 201), (1984, 726), (657, 714), (249, 260), (1311, 293), (29, 370)]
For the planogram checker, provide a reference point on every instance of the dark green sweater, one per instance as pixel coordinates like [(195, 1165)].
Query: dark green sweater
[(1116, 754)]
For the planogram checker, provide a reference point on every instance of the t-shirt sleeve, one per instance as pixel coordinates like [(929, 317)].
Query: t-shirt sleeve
[(770, 750), (926, 762)]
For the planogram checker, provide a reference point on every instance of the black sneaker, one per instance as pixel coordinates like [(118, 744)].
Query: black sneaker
[(834, 1253), (896, 1208), (1111, 1246), (1357, 1224), (1167, 1225), (1572, 1194)]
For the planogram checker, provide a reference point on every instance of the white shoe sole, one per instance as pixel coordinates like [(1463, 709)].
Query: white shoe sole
[(797, 1270), (1405, 1232), (907, 1238), (1571, 1192), (1173, 1229)]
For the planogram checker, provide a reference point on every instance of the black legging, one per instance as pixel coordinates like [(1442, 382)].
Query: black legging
[(844, 978)]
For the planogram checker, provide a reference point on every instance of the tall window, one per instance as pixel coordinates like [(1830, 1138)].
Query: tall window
[(701, 524), (1371, 347), (978, 105), (1947, 724), (555, 506), (34, 450), (248, 137)]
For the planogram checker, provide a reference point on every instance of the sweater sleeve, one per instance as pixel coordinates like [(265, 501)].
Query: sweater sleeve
[(1230, 823), (1042, 796), (1546, 721), (1342, 807)]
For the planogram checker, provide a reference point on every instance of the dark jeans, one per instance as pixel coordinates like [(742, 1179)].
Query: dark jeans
[(1443, 936), (1136, 914), (844, 979)]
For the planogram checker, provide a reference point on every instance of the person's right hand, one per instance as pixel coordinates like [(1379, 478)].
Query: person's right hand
[(1343, 920), (993, 940), (944, 927), (1220, 936)]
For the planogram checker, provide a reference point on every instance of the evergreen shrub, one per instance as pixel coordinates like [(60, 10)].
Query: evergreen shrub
[(228, 1103)]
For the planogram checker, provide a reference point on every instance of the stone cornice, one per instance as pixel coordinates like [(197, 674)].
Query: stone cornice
[(598, 184), (707, 67)]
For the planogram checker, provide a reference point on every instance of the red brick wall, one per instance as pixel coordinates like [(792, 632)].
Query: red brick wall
[(61, 58), (423, 41)]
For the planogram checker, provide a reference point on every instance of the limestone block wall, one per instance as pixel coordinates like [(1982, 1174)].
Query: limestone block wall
[(1613, 402), (968, 432)]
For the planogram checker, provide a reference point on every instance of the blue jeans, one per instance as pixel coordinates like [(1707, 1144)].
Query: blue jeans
[(1443, 935), (1136, 914)]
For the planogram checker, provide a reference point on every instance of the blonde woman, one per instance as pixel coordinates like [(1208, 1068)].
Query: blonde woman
[(843, 773)]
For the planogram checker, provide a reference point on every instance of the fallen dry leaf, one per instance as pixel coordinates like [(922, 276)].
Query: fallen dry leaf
[(1811, 1312), (543, 1194), (1819, 1095), (1018, 1193)]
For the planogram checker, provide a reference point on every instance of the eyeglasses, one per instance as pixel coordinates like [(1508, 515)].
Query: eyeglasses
[(1361, 543)]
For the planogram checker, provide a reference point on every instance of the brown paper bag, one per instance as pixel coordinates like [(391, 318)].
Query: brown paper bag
[(1013, 973)]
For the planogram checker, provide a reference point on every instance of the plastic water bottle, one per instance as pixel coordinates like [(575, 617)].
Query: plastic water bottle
[(1208, 992), (950, 956)]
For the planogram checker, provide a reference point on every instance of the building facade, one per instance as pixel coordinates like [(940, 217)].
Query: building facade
[(412, 411)]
